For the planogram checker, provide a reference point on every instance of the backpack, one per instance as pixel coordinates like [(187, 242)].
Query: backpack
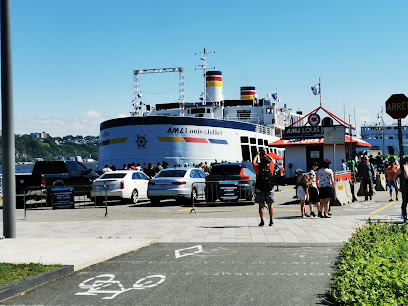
[(265, 180)]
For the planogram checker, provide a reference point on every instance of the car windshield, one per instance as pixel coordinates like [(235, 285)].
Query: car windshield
[(113, 175), (226, 170), (172, 173)]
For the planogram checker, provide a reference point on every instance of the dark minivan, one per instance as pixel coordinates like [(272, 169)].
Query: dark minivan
[(222, 179)]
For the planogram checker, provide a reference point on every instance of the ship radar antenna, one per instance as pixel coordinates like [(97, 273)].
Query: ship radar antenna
[(203, 66)]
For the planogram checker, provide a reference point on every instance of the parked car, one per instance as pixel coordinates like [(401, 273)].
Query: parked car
[(47, 174), (177, 184), (242, 174), (125, 185)]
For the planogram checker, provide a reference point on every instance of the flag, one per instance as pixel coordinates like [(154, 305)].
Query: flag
[(133, 102), (316, 89), (275, 96), (139, 95)]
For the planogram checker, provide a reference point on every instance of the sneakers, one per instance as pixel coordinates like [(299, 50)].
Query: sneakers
[(326, 216), (262, 223), (312, 214), (270, 222), (390, 200), (319, 214), (396, 199), (304, 216), (329, 213)]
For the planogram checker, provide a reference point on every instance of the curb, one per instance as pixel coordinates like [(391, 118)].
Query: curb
[(15, 288)]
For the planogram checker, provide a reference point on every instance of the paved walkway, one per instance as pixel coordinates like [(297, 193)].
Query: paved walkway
[(69, 241)]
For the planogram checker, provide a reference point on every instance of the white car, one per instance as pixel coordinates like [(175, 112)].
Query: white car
[(125, 185), (186, 184)]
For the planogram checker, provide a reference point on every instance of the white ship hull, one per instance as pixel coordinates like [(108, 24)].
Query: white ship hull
[(178, 140)]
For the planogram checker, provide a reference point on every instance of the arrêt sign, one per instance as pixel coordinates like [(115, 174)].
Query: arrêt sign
[(397, 106)]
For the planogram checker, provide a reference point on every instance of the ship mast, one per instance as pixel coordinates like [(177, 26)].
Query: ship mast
[(203, 66)]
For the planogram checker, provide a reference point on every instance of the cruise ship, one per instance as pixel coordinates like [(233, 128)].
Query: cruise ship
[(213, 129)]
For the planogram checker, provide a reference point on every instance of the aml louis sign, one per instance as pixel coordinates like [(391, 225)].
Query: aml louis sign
[(304, 132)]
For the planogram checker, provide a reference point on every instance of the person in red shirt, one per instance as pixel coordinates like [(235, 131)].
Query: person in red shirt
[(264, 198), (390, 172)]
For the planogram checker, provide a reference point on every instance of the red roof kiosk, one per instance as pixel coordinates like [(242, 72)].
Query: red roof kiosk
[(305, 144)]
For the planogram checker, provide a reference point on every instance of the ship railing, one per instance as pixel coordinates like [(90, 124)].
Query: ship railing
[(265, 130), (63, 197), (223, 192), (250, 118)]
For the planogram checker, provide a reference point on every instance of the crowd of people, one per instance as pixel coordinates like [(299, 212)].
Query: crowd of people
[(314, 188), (150, 170)]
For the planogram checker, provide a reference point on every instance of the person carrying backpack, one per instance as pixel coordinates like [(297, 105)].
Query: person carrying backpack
[(264, 184)]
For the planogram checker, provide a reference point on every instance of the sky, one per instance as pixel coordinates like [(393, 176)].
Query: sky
[(73, 60)]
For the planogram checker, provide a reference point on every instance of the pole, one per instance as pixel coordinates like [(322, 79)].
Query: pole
[(320, 91), (402, 167), (7, 115)]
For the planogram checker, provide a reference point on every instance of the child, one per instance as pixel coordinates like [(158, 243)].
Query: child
[(303, 193)]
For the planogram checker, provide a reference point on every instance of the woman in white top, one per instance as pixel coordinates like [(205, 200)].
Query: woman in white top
[(326, 183)]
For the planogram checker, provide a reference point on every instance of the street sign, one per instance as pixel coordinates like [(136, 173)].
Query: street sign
[(334, 135), (397, 106)]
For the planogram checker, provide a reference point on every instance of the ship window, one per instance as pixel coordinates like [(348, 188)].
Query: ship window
[(260, 142), (208, 110), (254, 151), (246, 155), (244, 139), (198, 110), (253, 141), (390, 137), (265, 143)]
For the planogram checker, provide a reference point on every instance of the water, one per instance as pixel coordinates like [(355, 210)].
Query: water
[(28, 168)]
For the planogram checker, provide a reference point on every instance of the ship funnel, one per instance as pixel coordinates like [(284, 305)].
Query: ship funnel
[(213, 83), (248, 93)]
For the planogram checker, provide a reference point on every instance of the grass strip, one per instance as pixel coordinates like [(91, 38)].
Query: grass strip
[(373, 269), (10, 273)]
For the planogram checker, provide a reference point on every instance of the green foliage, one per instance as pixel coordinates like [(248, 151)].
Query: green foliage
[(374, 267), (28, 148), (10, 273)]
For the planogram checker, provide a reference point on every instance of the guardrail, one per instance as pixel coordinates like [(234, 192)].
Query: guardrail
[(222, 192), (64, 197)]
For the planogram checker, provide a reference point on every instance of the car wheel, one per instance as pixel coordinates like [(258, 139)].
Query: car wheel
[(135, 196)]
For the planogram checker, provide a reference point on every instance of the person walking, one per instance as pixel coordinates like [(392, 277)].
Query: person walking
[(314, 191), (303, 194), (106, 169), (367, 175), (403, 167), (264, 185), (326, 184), (391, 170)]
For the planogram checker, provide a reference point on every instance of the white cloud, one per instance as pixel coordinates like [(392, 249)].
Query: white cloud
[(85, 124)]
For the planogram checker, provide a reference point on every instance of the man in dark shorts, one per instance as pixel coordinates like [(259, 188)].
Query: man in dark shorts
[(264, 198)]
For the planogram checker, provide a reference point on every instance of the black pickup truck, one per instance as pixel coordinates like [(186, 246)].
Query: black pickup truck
[(52, 173)]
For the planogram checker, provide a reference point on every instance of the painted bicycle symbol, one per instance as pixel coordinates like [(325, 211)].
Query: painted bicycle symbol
[(106, 284)]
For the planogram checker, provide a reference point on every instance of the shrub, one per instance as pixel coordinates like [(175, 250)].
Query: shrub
[(373, 269)]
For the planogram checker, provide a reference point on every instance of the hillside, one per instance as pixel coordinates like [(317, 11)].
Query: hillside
[(28, 148)]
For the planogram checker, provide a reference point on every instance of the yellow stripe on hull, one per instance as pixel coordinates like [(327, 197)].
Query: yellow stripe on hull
[(170, 139), (118, 140)]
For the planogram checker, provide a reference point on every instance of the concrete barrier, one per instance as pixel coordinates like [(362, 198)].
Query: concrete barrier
[(380, 183), (340, 194), (348, 191)]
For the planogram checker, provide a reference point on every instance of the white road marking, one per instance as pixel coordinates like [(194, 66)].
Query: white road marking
[(189, 251)]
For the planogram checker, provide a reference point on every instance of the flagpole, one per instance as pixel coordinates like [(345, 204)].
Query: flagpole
[(320, 89)]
